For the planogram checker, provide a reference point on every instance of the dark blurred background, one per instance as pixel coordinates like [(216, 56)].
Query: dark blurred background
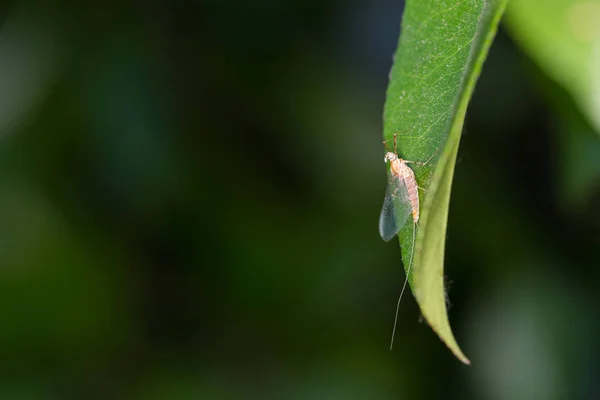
[(189, 204)]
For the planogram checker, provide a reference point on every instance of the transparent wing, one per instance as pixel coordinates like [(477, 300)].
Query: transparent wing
[(396, 208)]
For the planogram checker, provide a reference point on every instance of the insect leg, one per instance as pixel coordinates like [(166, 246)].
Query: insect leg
[(421, 163)]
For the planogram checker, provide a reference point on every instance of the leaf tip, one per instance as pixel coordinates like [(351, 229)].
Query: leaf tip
[(450, 342), (459, 354), (440, 325)]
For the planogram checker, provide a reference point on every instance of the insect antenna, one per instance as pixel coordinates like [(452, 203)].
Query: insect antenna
[(404, 286), (386, 146)]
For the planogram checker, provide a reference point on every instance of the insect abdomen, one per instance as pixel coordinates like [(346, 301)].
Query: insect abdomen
[(413, 193)]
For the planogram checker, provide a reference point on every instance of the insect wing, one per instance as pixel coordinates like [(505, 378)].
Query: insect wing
[(396, 208)]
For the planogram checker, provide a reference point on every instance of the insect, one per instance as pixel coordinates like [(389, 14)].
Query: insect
[(401, 197), (401, 201)]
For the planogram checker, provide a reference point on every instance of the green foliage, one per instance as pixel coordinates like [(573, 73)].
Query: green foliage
[(440, 53), (562, 36), (563, 39)]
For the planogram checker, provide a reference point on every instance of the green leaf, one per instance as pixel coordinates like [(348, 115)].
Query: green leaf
[(563, 37), (441, 50), (577, 170)]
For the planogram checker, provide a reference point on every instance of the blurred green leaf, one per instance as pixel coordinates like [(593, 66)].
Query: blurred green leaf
[(441, 50), (577, 170), (563, 37)]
